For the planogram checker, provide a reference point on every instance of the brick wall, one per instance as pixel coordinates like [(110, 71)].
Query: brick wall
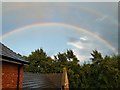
[(10, 75)]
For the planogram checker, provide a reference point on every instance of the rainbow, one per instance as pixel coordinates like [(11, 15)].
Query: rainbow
[(60, 24)]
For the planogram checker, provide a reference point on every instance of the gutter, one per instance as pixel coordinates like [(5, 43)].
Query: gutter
[(14, 60)]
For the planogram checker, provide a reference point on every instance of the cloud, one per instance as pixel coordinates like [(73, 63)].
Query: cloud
[(76, 45), (52, 56), (100, 19), (81, 56), (83, 38), (73, 39), (83, 46)]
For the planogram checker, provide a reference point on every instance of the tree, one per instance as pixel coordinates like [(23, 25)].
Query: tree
[(39, 62), (97, 56), (103, 72)]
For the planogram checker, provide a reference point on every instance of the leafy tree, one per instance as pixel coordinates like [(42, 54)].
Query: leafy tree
[(39, 62), (103, 72), (97, 56)]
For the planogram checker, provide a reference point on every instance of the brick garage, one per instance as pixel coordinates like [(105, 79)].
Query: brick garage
[(13, 78), (12, 68), (10, 75)]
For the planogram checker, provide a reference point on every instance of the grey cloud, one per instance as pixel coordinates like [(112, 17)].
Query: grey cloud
[(73, 39)]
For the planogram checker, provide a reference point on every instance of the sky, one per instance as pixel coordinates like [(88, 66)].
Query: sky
[(60, 0), (58, 26)]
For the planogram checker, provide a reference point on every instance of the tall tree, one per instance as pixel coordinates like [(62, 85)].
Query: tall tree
[(103, 72), (97, 56), (39, 62)]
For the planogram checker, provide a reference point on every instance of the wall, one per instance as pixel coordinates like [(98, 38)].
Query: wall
[(10, 75), (65, 82)]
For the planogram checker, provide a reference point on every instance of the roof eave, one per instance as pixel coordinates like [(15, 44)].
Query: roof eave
[(14, 60)]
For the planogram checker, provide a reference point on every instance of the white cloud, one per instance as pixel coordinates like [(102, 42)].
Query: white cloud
[(52, 57), (76, 45), (83, 38), (82, 57), (101, 18), (83, 49)]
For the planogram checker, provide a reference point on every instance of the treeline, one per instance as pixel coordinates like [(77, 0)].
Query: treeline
[(102, 72)]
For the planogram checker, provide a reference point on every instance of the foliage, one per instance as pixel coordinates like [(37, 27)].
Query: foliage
[(103, 72)]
